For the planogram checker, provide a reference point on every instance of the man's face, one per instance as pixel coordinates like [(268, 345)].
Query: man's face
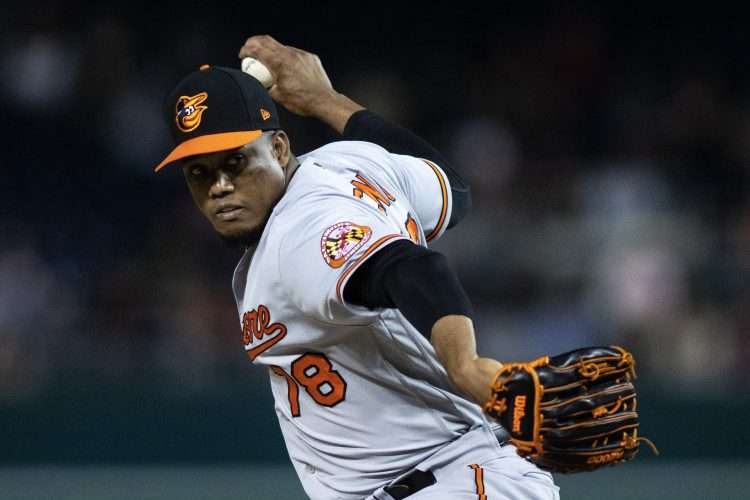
[(237, 189)]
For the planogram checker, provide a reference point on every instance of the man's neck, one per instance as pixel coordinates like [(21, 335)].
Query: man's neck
[(291, 169)]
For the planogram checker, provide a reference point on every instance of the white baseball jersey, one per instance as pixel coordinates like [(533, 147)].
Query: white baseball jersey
[(359, 393)]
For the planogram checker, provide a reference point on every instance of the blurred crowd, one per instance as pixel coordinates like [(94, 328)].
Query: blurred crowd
[(609, 157)]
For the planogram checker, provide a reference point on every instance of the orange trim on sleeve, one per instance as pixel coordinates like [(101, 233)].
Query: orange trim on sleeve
[(444, 192), (479, 481), (378, 243)]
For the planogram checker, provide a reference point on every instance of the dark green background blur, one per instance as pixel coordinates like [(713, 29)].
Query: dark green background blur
[(609, 153)]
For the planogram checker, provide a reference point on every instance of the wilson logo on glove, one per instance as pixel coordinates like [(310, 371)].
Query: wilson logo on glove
[(519, 410)]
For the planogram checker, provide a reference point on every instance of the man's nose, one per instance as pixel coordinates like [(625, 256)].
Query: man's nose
[(221, 186)]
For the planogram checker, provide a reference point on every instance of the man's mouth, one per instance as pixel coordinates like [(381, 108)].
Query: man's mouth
[(228, 212)]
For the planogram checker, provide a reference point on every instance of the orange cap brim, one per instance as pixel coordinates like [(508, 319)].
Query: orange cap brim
[(210, 143)]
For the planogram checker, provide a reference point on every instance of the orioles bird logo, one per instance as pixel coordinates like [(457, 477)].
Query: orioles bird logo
[(189, 111)]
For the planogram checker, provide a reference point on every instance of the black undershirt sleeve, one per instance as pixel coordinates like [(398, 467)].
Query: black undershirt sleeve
[(417, 281), (364, 125)]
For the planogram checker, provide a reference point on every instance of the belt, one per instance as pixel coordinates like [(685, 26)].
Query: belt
[(410, 484), (502, 436), (419, 479)]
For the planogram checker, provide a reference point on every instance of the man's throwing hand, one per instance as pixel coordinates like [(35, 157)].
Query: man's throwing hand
[(301, 84)]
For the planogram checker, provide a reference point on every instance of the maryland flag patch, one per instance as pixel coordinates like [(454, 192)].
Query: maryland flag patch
[(341, 240)]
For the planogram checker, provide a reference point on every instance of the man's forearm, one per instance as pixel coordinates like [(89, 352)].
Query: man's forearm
[(455, 346), (335, 110)]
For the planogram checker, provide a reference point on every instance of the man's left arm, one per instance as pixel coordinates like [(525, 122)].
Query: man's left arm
[(455, 346), (420, 283)]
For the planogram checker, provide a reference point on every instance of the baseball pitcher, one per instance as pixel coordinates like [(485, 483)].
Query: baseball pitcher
[(365, 332)]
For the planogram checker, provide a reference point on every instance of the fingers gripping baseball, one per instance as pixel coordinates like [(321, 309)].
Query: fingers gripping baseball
[(301, 84)]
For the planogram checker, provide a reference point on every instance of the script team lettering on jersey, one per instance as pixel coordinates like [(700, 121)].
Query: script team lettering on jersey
[(370, 188), (256, 325)]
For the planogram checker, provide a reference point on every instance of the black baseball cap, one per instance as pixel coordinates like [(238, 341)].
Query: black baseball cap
[(215, 109)]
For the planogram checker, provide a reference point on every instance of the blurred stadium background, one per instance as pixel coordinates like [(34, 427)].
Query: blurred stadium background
[(609, 152)]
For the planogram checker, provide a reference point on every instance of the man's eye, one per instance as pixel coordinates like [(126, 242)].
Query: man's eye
[(197, 171), (236, 161)]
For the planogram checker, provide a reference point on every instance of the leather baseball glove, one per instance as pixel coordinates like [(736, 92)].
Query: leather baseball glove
[(573, 412)]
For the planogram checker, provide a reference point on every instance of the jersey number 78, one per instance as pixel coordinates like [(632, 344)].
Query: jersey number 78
[(316, 375)]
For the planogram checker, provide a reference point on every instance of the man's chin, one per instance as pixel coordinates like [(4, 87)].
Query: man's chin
[(242, 238)]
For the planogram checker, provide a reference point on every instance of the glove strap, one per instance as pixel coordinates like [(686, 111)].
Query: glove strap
[(515, 402)]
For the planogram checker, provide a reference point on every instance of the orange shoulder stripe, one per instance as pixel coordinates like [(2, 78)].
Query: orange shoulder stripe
[(378, 243), (444, 192)]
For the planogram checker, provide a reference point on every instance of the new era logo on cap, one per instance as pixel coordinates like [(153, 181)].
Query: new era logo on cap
[(216, 109)]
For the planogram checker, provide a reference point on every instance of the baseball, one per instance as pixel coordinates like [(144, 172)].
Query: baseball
[(258, 70)]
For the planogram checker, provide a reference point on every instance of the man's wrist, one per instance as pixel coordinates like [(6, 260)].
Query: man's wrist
[(463, 371), (335, 109), (475, 377)]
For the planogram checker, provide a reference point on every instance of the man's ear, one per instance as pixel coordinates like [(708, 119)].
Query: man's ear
[(281, 147)]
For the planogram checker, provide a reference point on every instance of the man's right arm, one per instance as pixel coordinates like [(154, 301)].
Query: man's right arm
[(303, 87)]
